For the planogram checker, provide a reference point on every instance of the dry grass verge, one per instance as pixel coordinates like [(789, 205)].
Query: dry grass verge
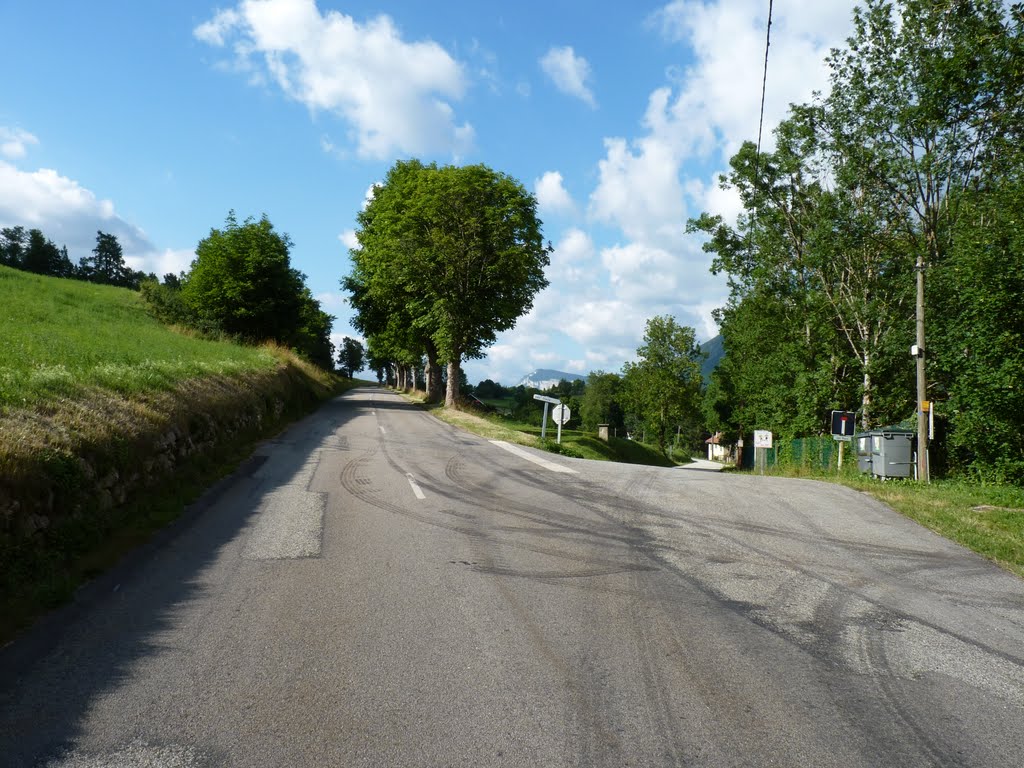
[(82, 480)]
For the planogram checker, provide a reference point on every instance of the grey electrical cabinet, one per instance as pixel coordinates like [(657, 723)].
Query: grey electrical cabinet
[(892, 453), (863, 442)]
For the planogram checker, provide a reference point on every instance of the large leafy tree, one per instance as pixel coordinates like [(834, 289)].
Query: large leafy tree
[(922, 101), (12, 246), (814, 271), (312, 337), (351, 356), (979, 336), (242, 282), (663, 387), (600, 402), (382, 299), (457, 252)]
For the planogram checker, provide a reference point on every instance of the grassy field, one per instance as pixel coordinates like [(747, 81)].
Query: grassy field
[(91, 390), (59, 338), (984, 518)]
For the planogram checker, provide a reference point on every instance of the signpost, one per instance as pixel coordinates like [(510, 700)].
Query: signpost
[(544, 424), (844, 424), (762, 442), (561, 414)]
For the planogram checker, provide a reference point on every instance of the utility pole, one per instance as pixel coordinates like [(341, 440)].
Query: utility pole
[(922, 389)]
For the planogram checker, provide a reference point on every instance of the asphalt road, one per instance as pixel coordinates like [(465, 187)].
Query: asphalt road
[(376, 588)]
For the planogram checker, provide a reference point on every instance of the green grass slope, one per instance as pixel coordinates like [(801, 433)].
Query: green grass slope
[(577, 444), (111, 422), (59, 338)]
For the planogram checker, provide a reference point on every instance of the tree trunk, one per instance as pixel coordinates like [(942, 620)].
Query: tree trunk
[(865, 416), (433, 374), (451, 397)]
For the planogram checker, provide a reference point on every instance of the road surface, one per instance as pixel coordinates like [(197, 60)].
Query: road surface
[(376, 588)]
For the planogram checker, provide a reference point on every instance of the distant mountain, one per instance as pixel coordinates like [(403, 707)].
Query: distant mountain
[(715, 351), (545, 378)]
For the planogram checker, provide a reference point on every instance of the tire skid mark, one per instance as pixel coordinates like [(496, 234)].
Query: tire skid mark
[(590, 737), (845, 605), (885, 680), (601, 566), (593, 719), (545, 522), (659, 704), (841, 608), (350, 481)]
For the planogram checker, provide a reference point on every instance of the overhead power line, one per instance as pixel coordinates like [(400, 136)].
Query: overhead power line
[(764, 88)]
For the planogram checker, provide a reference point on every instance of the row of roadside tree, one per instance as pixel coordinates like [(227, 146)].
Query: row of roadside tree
[(32, 251), (910, 169)]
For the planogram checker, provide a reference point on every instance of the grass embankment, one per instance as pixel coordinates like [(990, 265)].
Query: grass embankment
[(577, 444), (988, 519), (110, 423)]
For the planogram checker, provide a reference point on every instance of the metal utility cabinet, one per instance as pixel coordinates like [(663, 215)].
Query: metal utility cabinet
[(863, 442), (892, 453)]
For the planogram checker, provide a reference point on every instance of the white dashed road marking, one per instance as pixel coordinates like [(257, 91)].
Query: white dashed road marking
[(415, 488)]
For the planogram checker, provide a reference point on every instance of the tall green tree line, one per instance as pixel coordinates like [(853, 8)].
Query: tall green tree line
[(909, 169), (31, 251)]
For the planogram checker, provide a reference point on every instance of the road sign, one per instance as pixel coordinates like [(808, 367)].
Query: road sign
[(544, 422), (561, 413), (844, 424), (762, 438)]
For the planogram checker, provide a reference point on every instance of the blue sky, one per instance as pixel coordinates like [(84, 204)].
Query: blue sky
[(152, 120)]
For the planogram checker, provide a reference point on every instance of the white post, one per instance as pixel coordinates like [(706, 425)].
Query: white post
[(559, 440), (544, 423)]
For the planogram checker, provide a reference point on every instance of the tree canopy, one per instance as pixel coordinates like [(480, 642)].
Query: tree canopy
[(662, 388), (242, 283), (447, 258), (351, 357), (909, 166)]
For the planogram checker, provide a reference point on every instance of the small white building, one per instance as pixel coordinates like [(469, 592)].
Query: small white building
[(717, 450)]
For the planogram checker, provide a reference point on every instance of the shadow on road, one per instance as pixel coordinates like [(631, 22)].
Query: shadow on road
[(53, 675)]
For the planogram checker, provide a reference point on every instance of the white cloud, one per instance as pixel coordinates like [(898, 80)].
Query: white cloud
[(699, 119), (610, 322), (569, 73), (348, 239), (69, 214), (572, 260), (168, 261), (552, 196), (14, 142), (395, 95), (639, 190), (331, 300), (216, 30)]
